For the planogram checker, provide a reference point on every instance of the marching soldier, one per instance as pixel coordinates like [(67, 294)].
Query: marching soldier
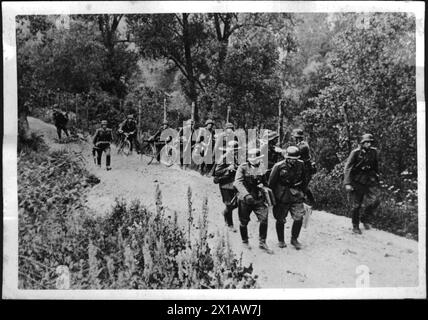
[(224, 137), (361, 180), (102, 140), (305, 156), (273, 151), (185, 135), (130, 126), (205, 140), (156, 138), (287, 183), (249, 182), (224, 175), (60, 119)]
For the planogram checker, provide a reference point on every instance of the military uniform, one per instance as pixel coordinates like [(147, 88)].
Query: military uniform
[(102, 140), (247, 180), (362, 172), (287, 183), (309, 169), (60, 120), (185, 135), (209, 135), (158, 143), (128, 126), (273, 158), (224, 175)]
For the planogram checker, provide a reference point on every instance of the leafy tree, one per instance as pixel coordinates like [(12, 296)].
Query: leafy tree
[(371, 89)]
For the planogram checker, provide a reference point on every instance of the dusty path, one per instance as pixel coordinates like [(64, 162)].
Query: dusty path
[(331, 253)]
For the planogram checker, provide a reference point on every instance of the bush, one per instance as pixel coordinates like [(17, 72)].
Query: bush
[(130, 247), (31, 142), (397, 213)]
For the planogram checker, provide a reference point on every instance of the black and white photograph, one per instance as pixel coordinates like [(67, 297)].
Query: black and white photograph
[(273, 149)]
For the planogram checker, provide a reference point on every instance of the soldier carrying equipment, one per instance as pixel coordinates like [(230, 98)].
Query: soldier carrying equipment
[(249, 181), (361, 180), (102, 140), (60, 120), (224, 175), (130, 126), (287, 183), (305, 156), (273, 151)]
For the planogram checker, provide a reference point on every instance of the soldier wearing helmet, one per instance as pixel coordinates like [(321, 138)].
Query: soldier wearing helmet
[(305, 156), (361, 180), (224, 176), (157, 136), (60, 120), (270, 145), (223, 138), (287, 183), (204, 146), (187, 141), (129, 127), (102, 140), (250, 180)]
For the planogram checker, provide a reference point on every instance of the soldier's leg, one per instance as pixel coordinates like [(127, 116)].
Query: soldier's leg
[(58, 131), (66, 131), (227, 196), (355, 201), (107, 150), (309, 196), (99, 154), (297, 212), (244, 217), (280, 211), (261, 212), (372, 196)]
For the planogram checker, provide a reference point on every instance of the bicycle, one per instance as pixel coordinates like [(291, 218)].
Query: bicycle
[(125, 144), (167, 154)]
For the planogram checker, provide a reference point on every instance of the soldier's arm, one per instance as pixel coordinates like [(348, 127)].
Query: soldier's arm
[(95, 138), (273, 177), (349, 165), (110, 135), (239, 181), (222, 167)]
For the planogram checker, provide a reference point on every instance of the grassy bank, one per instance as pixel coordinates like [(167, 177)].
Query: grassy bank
[(397, 213)]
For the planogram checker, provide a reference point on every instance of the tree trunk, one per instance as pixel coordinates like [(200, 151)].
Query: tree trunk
[(193, 95)]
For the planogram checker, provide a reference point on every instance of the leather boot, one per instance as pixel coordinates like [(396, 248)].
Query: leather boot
[(280, 233)]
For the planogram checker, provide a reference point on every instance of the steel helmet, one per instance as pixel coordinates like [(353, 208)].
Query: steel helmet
[(292, 153), (367, 137), (209, 121), (231, 145), (130, 116), (229, 126), (297, 133), (103, 122)]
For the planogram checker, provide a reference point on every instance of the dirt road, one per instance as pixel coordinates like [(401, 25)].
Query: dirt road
[(331, 254)]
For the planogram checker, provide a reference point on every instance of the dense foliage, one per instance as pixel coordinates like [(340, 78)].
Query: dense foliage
[(339, 75)]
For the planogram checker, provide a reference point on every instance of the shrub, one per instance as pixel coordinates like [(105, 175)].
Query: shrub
[(397, 213)]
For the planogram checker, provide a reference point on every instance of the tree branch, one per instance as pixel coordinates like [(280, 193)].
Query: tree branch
[(178, 19)]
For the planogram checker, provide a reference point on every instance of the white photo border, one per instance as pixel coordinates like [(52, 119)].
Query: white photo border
[(10, 212)]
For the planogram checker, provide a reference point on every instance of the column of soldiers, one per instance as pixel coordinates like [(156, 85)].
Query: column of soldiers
[(282, 183)]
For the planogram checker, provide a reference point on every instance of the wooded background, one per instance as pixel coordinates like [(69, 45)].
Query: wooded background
[(338, 75)]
